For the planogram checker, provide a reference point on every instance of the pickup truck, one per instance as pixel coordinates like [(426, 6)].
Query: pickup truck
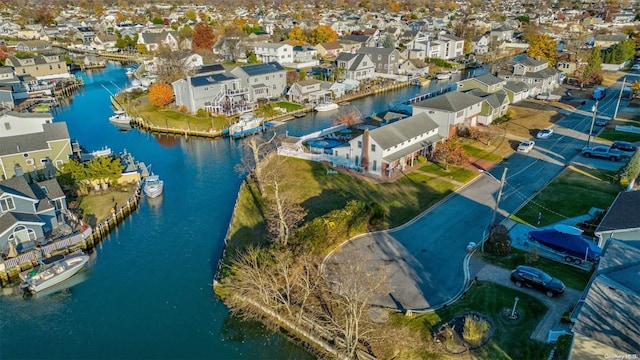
[(602, 151)]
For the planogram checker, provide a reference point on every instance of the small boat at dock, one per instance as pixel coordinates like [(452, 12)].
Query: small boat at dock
[(247, 124), (299, 115), (442, 75), (153, 186), (326, 106), (121, 118), (53, 271)]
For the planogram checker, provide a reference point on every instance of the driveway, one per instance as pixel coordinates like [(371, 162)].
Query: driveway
[(556, 306)]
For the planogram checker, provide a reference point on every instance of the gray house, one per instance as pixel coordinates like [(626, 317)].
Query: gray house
[(356, 66), (386, 61), (263, 81), (28, 212), (217, 93)]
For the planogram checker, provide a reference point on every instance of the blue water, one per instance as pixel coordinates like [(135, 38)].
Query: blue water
[(147, 292)]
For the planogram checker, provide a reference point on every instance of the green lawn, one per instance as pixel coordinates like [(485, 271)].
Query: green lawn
[(574, 192), (480, 154), (454, 173), (611, 134), (573, 277), (509, 340), (289, 106)]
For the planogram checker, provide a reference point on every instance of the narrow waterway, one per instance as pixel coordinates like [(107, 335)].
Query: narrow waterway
[(147, 290)]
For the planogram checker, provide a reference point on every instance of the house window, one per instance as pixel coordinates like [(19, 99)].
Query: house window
[(374, 167), (460, 113), (44, 189), (379, 57), (373, 147), (7, 126), (359, 144), (30, 162), (6, 204)]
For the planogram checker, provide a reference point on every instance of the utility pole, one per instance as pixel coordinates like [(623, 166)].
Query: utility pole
[(593, 120), (619, 97), (495, 208)]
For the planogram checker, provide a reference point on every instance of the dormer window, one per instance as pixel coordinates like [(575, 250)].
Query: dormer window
[(7, 204)]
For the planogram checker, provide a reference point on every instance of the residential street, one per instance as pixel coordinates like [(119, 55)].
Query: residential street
[(424, 262)]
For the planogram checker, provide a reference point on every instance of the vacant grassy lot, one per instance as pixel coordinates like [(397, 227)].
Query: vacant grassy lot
[(529, 116), (574, 192), (97, 206), (573, 277), (320, 193), (510, 340)]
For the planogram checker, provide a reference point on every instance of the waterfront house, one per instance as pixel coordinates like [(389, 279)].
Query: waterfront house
[(607, 317), (487, 82), (386, 61), (105, 42), (32, 142), (535, 73), (29, 212), (215, 92), (451, 111), (480, 44), (84, 34), (356, 66), (152, 41), (263, 81), (387, 150), (41, 67), (621, 221), (314, 91), (274, 52)]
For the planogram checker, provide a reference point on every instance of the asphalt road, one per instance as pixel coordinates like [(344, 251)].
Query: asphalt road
[(422, 264)]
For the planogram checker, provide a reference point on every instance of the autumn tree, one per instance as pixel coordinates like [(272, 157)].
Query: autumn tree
[(190, 14), (296, 36), (542, 47), (160, 94), (348, 117), (322, 34), (203, 37), (591, 72), (449, 153)]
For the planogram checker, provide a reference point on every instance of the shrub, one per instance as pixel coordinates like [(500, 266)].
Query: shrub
[(499, 241), (562, 346), (474, 330), (377, 214), (532, 256), (630, 172)]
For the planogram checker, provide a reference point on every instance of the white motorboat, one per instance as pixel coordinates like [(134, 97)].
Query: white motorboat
[(247, 124), (121, 117), (326, 106), (50, 273), (153, 186), (443, 75)]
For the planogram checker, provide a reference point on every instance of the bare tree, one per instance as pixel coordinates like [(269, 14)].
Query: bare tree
[(283, 215), (352, 289), (348, 117), (257, 149)]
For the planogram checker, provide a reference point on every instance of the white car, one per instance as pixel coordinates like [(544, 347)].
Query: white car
[(635, 67), (544, 133), (526, 146)]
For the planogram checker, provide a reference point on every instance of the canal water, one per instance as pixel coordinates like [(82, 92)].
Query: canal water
[(147, 292)]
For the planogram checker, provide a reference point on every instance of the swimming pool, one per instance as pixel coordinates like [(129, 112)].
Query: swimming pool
[(320, 145)]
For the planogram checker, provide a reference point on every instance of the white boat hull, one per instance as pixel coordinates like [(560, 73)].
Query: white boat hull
[(326, 107), (121, 118), (153, 186), (57, 273)]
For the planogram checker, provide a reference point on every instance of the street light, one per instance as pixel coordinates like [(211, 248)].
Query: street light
[(594, 108), (498, 197)]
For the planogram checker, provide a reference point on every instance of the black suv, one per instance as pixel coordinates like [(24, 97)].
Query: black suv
[(624, 146), (537, 279)]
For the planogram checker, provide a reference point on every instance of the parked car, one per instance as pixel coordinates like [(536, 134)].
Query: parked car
[(544, 133), (526, 146), (603, 151), (536, 279), (635, 67), (624, 146)]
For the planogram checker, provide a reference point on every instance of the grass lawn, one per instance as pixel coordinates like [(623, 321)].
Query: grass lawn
[(478, 153), (171, 118), (289, 106), (509, 340), (454, 172), (611, 134), (574, 192), (573, 277), (309, 184), (96, 207)]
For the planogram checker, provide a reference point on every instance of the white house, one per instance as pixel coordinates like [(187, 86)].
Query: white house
[(384, 151), (451, 111), (270, 52)]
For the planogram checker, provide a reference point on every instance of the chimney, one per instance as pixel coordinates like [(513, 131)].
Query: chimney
[(365, 150)]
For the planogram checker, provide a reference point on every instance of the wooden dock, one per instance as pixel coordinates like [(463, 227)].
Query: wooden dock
[(86, 240)]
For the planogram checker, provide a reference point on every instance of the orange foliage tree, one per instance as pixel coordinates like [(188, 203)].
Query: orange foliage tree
[(203, 37), (160, 94), (297, 37), (322, 34)]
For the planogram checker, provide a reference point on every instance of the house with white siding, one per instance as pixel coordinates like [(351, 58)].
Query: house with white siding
[(451, 111), (389, 149), (356, 66), (270, 52), (537, 74)]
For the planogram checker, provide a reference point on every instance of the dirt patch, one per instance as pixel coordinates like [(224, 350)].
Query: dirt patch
[(528, 117)]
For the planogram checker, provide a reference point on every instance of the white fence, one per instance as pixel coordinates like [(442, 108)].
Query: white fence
[(334, 160)]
